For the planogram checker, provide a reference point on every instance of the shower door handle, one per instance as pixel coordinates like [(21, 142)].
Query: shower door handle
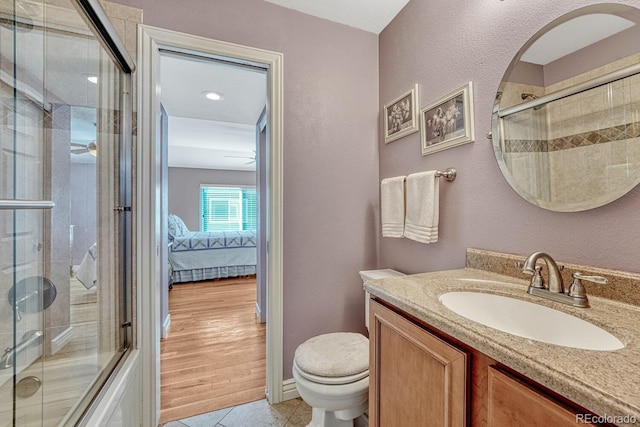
[(9, 204)]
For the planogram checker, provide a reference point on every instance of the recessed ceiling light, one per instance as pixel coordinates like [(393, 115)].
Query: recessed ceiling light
[(214, 96), (93, 79)]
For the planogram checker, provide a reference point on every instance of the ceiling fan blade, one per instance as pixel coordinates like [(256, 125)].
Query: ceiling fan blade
[(252, 161), (78, 145), (80, 151)]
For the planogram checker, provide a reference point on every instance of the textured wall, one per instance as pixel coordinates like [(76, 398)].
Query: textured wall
[(330, 151), (443, 45)]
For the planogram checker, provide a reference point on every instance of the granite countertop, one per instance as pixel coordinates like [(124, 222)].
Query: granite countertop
[(604, 382)]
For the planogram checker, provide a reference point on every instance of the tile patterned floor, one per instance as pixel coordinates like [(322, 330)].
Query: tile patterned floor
[(292, 413)]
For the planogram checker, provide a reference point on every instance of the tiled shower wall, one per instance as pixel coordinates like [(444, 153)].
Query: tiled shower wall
[(603, 124), (587, 144)]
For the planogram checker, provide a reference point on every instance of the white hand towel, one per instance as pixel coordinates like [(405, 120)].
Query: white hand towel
[(392, 206), (423, 207)]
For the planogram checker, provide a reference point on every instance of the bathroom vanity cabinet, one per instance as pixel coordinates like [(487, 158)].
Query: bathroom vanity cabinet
[(420, 376), (414, 376)]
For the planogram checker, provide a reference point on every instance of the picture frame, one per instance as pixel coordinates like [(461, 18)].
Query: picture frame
[(400, 116), (448, 121)]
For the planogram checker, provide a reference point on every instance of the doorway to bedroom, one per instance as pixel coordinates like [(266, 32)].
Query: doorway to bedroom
[(214, 151)]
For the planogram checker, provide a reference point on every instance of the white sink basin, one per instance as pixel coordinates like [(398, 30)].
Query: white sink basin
[(529, 320)]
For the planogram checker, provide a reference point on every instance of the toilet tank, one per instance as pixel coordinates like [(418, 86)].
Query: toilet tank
[(373, 275)]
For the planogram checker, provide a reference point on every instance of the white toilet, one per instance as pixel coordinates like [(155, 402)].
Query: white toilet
[(332, 371)]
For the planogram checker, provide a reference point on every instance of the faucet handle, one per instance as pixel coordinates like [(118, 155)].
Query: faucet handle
[(577, 290), (536, 277), (536, 280), (595, 279)]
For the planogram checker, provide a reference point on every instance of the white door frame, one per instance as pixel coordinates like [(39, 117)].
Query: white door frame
[(150, 41)]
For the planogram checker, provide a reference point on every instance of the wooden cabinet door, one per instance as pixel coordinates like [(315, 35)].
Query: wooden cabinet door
[(513, 403), (415, 378)]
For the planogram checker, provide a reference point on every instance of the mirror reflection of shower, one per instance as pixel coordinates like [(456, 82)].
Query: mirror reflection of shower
[(531, 97)]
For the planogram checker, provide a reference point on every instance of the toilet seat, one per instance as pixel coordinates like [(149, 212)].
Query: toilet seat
[(330, 380), (336, 358)]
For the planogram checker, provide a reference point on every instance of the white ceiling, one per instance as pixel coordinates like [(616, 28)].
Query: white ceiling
[(211, 134), (368, 15), (205, 144), (574, 35)]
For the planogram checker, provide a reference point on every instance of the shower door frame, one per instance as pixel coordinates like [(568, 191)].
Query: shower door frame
[(111, 42)]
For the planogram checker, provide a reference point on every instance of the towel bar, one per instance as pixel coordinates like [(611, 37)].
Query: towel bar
[(449, 174)]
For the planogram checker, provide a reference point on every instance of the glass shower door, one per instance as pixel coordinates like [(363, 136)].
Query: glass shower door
[(63, 297), (24, 208)]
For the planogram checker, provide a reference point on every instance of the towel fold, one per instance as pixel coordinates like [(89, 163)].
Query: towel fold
[(392, 209), (87, 274), (423, 207)]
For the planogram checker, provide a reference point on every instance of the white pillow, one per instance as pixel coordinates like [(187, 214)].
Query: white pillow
[(176, 227)]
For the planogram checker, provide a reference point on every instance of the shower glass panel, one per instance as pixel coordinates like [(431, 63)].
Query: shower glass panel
[(579, 149), (62, 294)]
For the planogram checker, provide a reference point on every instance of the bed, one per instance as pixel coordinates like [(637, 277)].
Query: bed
[(195, 256)]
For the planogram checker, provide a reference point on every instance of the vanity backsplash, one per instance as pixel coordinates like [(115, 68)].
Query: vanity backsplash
[(623, 286)]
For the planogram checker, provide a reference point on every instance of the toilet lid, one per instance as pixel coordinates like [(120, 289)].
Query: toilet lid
[(329, 380), (339, 354)]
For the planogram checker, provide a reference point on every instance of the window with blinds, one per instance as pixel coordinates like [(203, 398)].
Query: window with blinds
[(227, 208)]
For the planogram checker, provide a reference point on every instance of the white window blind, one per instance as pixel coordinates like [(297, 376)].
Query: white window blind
[(227, 208)]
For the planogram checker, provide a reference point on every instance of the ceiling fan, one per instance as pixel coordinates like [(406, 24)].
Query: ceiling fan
[(252, 159), (90, 148)]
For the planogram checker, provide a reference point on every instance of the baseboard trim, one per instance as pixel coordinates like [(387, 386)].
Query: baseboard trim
[(61, 340), (289, 389), (166, 325)]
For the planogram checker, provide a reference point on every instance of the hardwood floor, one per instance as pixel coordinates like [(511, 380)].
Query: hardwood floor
[(214, 356)]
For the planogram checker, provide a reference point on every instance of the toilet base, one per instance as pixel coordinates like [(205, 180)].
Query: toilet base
[(323, 418)]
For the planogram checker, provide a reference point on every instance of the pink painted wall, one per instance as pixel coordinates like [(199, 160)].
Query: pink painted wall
[(442, 45), (330, 151)]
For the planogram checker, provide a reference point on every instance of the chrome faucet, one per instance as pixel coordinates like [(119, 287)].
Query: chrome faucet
[(577, 294), (555, 279)]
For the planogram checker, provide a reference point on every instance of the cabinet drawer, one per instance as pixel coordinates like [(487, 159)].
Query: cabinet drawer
[(514, 403)]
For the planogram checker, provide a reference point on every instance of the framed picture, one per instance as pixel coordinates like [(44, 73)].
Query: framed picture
[(401, 116), (448, 122)]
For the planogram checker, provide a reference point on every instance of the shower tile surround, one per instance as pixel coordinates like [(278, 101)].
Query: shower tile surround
[(583, 139), (57, 124), (569, 136)]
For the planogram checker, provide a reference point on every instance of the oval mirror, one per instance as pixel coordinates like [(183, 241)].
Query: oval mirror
[(566, 120)]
